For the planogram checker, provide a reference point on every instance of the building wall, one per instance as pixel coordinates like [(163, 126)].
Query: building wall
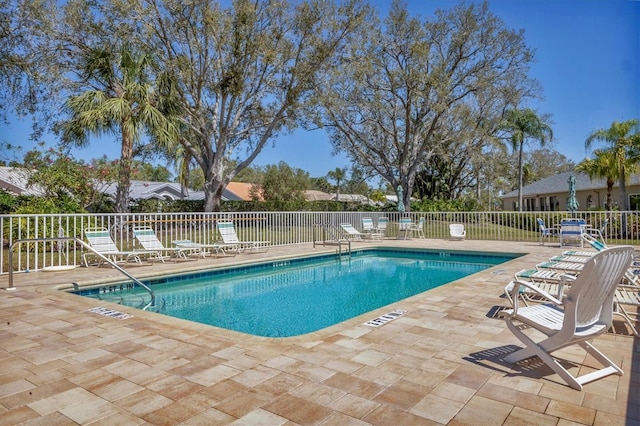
[(587, 199)]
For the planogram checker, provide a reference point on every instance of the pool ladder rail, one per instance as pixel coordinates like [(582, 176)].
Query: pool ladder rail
[(16, 243), (331, 234), (124, 294)]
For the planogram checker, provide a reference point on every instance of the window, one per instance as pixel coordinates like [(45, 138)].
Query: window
[(634, 201), (542, 202), (530, 204)]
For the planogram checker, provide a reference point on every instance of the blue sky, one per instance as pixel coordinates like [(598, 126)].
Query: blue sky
[(587, 61)]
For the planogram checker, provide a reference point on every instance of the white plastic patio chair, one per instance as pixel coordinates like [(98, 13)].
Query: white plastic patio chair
[(404, 226), (457, 231), (585, 313), (369, 229), (417, 228), (544, 231), (557, 283), (383, 223)]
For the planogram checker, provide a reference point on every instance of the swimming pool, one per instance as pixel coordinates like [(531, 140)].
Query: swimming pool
[(299, 296)]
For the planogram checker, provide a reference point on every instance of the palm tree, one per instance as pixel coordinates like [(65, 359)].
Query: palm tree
[(602, 166), (523, 125), (338, 175), (624, 145), (123, 101)]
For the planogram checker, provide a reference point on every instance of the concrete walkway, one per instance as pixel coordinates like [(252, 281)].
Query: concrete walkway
[(439, 364)]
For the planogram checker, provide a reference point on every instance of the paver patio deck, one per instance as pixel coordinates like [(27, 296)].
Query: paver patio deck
[(438, 364)]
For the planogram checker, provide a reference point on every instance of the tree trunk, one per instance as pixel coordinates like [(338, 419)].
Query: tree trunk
[(124, 174), (407, 190), (213, 195), (624, 201), (407, 201), (520, 166)]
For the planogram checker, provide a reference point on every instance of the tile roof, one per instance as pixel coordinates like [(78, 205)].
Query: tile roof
[(241, 191), (14, 180)]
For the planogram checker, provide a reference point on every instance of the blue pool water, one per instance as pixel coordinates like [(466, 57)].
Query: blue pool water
[(293, 297)]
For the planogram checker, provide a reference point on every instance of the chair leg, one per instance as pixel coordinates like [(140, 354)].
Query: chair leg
[(602, 358), (619, 310), (538, 349)]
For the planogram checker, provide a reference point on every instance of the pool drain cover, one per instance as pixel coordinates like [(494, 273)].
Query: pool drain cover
[(383, 319)]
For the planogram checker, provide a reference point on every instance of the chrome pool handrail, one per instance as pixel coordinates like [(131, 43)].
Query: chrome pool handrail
[(88, 247), (333, 232)]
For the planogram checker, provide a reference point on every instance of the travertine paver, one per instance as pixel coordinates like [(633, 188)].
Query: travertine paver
[(437, 408), (438, 364)]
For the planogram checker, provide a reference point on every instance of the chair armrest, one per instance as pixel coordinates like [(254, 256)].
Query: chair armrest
[(515, 290)]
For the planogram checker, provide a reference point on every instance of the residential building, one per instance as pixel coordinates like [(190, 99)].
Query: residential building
[(14, 180), (551, 193)]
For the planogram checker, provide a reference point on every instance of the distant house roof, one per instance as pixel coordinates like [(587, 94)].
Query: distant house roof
[(393, 199), (14, 180), (353, 198), (241, 191), (144, 190), (560, 183), (315, 195)]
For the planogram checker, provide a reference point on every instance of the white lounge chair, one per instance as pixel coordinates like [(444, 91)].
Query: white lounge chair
[(628, 296), (230, 238), (370, 229), (557, 283), (205, 249), (526, 295), (457, 231), (100, 240), (593, 242), (571, 267), (573, 258), (352, 233), (587, 312), (150, 242), (578, 253)]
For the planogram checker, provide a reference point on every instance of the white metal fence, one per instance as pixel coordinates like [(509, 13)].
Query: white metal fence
[(280, 228)]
